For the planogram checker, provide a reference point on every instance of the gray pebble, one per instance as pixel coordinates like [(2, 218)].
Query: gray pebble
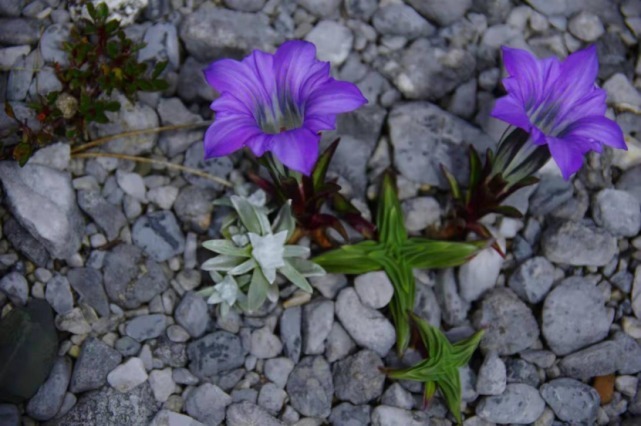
[(519, 403), (532, 279), (310, 387), (145, 327), (192, 314), (318, 319), (95, 361), (15, 286), (571, 400), (207, 404), (357, 379)]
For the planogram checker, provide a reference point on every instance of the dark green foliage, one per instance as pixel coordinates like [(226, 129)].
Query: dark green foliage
[(397, 255), (28, 347), (440, 368), (309, 196), (490, 183), (101, 60)]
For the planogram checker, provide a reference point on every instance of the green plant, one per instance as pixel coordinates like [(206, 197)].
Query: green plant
[(101, 60), (253, 252), (397, 255), (440, 368)]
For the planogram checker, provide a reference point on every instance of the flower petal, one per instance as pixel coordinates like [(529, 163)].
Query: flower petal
[(228, 75), (228, 134), (316, 123), (259, 144), (510, 110), (292, 64), (524, 68), (567, 155), (297, 149), (334, 97), (597, 129)]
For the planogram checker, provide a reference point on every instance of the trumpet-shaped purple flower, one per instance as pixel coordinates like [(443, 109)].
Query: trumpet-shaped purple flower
[(277, 103), (559, 104)]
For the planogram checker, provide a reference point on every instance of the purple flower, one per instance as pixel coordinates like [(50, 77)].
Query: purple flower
[(277, 103), (559, 104)]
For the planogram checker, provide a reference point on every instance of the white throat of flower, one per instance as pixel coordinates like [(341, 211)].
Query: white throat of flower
[(268, 252)]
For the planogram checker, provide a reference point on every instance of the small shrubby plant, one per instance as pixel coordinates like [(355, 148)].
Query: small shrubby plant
[(101, 60)]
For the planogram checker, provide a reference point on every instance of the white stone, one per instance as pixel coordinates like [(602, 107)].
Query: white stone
[(169, 418), (333, 41), (132, 184), (374, 289), (162, 384), (480, 274), (127, 376)]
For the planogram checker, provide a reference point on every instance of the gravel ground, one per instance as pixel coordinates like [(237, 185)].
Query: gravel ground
[(117, 253)]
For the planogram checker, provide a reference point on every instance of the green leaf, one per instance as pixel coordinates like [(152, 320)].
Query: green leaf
[(8, 109), (422, 253), (296, 251), (306, 268), (285, 220), (221, 263), (257, 290), (243, 268), (350, 259), (295, 277), (102, 12), (322, 164), (158, 69), (389, 218), (451, 180), (508, 211), (91, 9), (250, 217), (22, 152), (227, 247)]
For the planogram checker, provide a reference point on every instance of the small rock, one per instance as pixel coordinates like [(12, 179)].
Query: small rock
[(368, 327), (571, 400), (88, 284), (339, 344), (479, 274), (492, 377), (509, 324), (521, 371), (218, 166), (271, 398), (215, 353), (361, 9), (310, 387), (421, 212), (182, 376), (207, 404), (169, 418), (192, 314), (164, 196), (74, 322), (322, 9), (541, 358), (357, 379), (454, 308), (318, 318), (374, 289), (15, 286), (586, 26), (193, 206), (46, 403), (127, 346), (290, 331), (9, 415), (265, 344), (245, 5), (575, 244), (277, 370), (127, 376), (346, 414), (574, 316), (618, 212), (532, 279), (159, 235), (397, 396), (442, 14), (145, 327), (107, 216), (384, 415), (32, 190), (96, 360), (333, 41), (622, 94), (518, 404), (55, 156), (401, 20), (58, 294), (246, 413)]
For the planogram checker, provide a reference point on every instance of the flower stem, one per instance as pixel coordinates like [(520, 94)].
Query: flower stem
[(152, 161), (133, 133)]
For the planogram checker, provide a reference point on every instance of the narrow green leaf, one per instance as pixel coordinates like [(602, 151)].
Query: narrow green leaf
[(322, 164), (350, 259), (307, 268), (249, 216), (389, 216), (227, 247), (158, 69), (508, 211), (221, 263), (451, 180), (296, 251), (257, 290), (243, 268), (295, 277), (285, 220), (422, 253)]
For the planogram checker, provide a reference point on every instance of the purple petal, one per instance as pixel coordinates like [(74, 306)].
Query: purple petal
[(297, 149), (260, 144), (293, 62), (261, 65), (511, 111), (597, 129), (567, 155), (526, 71), (334, 97), (592, 103), (228, 103), (316, 123), (229, 134), (239, 79)]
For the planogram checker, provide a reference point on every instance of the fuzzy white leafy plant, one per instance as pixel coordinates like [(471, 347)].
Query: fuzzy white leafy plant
[(252, 254)]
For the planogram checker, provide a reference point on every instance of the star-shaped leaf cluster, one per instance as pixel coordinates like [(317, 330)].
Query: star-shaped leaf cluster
[(440, 369), (397, 255)]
